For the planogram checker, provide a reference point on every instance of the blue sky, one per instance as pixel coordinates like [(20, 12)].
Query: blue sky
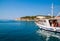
[(11, 9)]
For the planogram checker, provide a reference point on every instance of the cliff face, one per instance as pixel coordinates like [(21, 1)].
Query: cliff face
[(26, 18)]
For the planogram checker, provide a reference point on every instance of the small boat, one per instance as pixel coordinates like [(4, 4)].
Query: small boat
[(51, 24)]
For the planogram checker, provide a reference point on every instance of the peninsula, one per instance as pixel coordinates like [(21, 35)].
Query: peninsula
[(30, 18)]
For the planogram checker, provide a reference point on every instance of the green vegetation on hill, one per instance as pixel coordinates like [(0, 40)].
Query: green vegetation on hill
[(29, 18), (33, 17)]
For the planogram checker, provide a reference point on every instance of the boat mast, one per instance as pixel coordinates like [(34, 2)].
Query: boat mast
[(52, 10)]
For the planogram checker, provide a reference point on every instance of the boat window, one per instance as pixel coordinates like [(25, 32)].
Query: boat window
[(54, 23), (42, 22)]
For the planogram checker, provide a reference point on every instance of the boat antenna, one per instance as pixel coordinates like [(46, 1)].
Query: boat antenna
[(52, 10)]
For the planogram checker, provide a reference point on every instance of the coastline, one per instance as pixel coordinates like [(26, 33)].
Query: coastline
[(31, 18)]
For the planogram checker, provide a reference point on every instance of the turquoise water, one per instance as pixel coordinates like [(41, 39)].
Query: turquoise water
[(25, 31)]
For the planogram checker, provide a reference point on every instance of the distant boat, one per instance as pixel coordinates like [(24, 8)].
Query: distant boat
[(52, 24)]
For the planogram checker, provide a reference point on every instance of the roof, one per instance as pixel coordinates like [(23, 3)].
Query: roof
[(58, 17)]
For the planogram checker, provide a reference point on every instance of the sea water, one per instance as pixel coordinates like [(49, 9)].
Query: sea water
[(25, 31)]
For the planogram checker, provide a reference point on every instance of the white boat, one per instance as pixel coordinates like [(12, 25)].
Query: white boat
[(48, 24), (52, 24)]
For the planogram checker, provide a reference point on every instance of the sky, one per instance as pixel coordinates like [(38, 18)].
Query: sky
[(12, 9)]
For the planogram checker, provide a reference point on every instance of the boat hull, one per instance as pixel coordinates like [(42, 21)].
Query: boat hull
[(52, 29)]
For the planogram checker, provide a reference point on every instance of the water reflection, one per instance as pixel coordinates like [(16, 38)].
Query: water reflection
[(50, 36)]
